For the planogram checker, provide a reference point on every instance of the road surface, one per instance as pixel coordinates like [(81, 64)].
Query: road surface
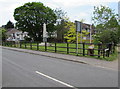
[(29, 70)]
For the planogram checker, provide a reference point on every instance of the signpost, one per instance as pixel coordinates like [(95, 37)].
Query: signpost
[(78, 26), (78, 29)]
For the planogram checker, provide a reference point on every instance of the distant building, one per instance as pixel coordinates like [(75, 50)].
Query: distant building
[(15, 35), (88, 27), (85, 26)]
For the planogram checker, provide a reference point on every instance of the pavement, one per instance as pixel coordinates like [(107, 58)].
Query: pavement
[(90, 61)]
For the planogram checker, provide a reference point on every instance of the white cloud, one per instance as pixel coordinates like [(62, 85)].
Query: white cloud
[(74, 3), (8, 6), (86, 16)]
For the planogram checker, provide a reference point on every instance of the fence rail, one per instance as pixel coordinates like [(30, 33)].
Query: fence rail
[(100, 50)]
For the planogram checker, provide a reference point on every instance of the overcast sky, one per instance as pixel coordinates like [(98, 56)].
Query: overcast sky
[(76, 9)]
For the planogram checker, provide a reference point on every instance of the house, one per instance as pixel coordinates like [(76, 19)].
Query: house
[(16, 35)]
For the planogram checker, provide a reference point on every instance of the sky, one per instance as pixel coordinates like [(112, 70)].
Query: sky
[(76, 9)]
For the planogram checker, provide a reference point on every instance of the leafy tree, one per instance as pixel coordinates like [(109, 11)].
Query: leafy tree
[(60, 15), (106, 25), (71, 34), (2, 34), (112, 23), (9, 25), (106, 36), (101, 16), (31, 16), (60, 24)]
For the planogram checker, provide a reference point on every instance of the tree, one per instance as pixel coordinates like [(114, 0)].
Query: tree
[(106, 36), (112, 23), (61, 15), (60, 24), (31, 16), (101, 16), (70, 36), (2, 34), (9, 25), (106, 25)]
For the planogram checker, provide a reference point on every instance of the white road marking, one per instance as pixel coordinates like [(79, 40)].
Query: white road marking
[(68, 85)]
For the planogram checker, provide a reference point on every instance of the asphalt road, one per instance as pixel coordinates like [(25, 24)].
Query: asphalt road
[(29, 70)]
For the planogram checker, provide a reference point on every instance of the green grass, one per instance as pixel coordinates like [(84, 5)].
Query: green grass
[(71, 50)]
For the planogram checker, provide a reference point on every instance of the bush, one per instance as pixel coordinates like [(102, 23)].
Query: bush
[(106, 36)]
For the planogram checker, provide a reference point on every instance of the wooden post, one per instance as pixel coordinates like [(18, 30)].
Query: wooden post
[(25, 45), (20, 44), (45, 46), (109, 46), (55, 48), (83, 49), (11, 43), (37, 45), (30, 45), (99, 48), (14, 44), (113, 48), (103, 53), (67, 48)]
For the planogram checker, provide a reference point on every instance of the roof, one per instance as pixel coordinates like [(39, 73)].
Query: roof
[(11, 31)]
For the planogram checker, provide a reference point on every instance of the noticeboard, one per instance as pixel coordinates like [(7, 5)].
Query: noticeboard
[(78, 26)]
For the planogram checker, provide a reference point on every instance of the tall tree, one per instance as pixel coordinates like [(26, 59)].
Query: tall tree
[(60, 24), (31, 16), (112, 23), (101, 16), (106, 25), (9, 25)]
